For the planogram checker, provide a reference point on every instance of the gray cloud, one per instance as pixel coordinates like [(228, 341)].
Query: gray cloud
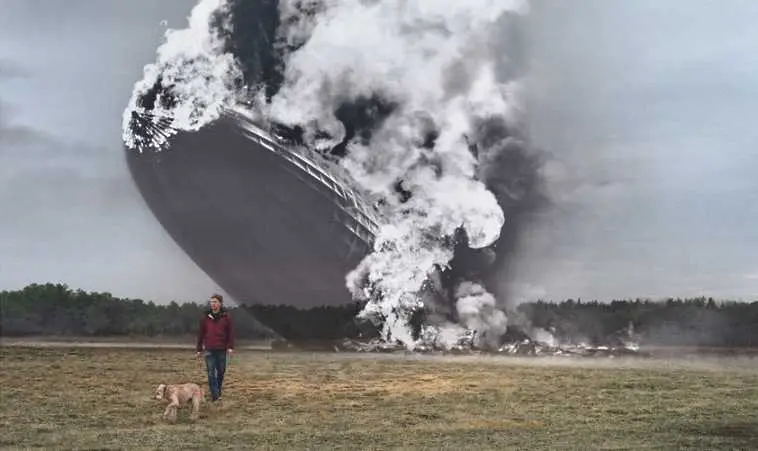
[(13, 134), (10, 70)]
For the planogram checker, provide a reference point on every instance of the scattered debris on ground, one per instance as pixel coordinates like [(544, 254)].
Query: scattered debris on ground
[(524, 347)]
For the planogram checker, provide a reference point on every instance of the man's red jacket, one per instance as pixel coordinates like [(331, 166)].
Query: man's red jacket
[(216, 332)]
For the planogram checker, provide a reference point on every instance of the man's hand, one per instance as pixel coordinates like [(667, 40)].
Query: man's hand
[(197, 354), (229, 351)]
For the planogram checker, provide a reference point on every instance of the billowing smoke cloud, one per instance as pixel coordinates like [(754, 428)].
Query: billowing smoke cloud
[(420, 102)]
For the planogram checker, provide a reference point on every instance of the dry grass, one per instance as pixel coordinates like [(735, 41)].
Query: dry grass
[(85, 398)]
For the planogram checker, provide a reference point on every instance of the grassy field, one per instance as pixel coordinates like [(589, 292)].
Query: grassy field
[(85, 398)]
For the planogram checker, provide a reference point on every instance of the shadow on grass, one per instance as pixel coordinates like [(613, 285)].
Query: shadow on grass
[(741, 434)]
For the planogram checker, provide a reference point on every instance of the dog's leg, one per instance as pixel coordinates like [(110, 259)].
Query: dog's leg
[(167, 412), (195, 407), (172, 408)]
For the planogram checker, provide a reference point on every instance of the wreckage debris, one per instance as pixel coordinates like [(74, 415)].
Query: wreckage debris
[(517, 341), (524, 347)]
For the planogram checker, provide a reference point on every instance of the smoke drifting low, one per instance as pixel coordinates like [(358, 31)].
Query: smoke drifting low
[(421, 103)]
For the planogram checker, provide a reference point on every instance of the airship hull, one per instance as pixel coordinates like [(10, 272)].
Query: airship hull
[(268, 223)]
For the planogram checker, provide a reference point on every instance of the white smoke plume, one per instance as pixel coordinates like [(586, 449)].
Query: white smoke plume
[(435, 60), (203, 80), (478, 311)]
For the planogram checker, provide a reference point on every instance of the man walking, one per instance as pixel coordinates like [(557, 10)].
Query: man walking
[(216, 335)]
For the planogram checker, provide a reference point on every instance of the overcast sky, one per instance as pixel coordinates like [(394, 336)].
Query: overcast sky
[(650, 105), (70, 212)]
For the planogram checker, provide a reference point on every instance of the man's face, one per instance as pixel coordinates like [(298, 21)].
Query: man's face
[(215, 305)]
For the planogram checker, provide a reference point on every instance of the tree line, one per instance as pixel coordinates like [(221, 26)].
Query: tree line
[(56, 310), (675, 322)]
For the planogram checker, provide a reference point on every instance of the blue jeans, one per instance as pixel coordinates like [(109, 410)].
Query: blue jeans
[(215, 363)]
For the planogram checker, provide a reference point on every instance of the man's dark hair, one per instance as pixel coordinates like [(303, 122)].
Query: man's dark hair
[(218, 297)]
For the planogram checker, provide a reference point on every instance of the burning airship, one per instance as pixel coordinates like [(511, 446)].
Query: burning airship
[(276, 222)]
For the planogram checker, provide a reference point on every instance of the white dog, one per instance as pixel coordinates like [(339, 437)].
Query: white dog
[(177, 395)]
